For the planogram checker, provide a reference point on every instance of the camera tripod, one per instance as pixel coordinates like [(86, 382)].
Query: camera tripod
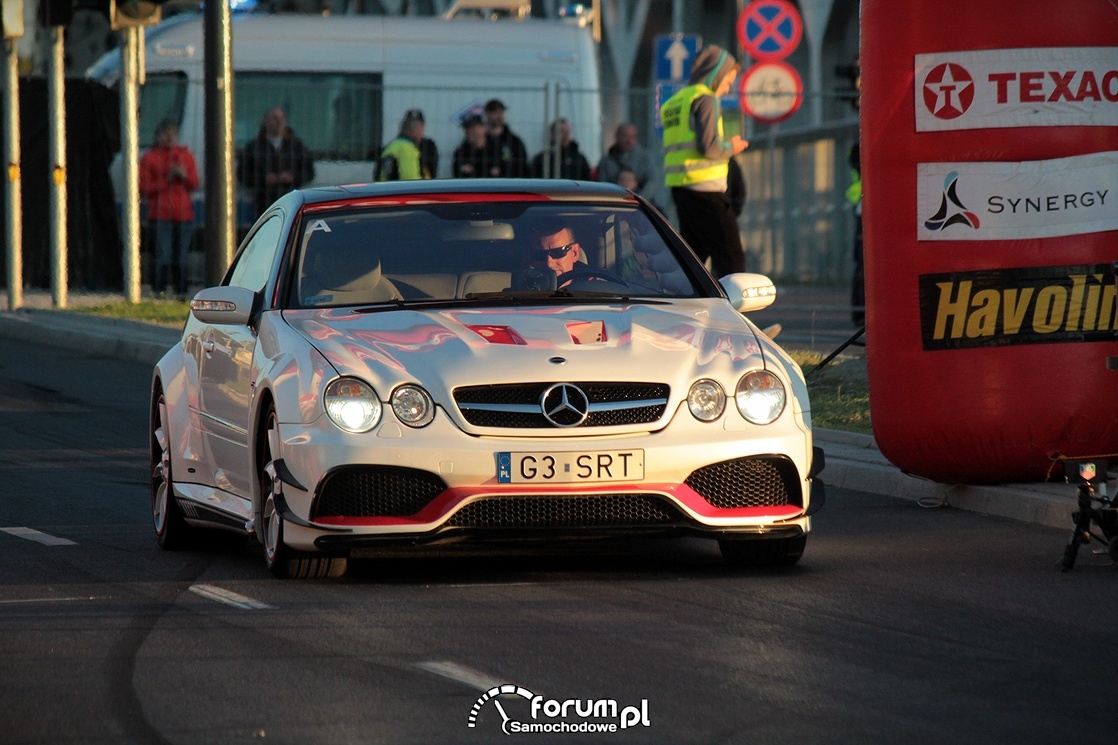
[(1087, 475)]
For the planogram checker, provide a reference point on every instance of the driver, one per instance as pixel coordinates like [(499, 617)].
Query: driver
[(557, 249)]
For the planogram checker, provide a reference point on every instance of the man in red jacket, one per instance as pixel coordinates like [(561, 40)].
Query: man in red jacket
[(168, 175)]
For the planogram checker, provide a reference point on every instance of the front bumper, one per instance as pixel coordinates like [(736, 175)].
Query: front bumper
[(460, 496)]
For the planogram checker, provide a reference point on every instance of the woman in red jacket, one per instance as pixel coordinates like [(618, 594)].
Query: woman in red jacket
[(168, 175)]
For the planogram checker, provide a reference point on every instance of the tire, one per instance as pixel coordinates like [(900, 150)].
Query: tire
[(282, 561), (762, 552), (171, 530)]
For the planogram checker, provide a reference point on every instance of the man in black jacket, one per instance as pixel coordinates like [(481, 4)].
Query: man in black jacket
[(275, 162), (476, 156), (566, 162), (513, 154)]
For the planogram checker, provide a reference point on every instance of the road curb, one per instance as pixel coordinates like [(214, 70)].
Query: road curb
[(122, 339), (854, 462)]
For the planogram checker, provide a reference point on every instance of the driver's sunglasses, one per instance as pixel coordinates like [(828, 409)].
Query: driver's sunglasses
[(543, 254)]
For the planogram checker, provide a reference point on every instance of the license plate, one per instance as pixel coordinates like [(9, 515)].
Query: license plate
[(595, 466)]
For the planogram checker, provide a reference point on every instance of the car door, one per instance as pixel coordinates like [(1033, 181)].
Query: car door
[(225, 368)]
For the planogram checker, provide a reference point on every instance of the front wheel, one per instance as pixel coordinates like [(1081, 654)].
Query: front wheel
[(171, 530), (763, 552), (282, 561)]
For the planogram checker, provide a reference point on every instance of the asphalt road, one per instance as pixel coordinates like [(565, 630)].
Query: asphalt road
[(901, 624)]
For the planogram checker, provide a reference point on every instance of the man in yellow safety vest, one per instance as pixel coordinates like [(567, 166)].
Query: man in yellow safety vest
[(696, 161)]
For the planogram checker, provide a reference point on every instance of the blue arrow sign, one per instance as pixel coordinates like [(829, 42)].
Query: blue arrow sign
[(674, 55)]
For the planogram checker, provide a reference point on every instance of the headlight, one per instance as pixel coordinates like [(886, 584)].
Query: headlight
[(760, 397), (706, 400), (413, 406), (352, 405)]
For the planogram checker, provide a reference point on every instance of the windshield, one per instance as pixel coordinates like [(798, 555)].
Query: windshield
[(483, 251)]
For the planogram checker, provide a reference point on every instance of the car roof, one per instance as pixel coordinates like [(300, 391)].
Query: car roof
[(547, 188)]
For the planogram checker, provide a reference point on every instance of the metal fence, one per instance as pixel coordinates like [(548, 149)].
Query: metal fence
[(796, 225)]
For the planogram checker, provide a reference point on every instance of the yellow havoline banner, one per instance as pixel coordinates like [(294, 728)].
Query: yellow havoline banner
[(988, 151)]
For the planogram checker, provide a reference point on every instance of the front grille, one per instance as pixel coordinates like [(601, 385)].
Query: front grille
[(748, 482), (375, 491), (598, 511), (517, 406)]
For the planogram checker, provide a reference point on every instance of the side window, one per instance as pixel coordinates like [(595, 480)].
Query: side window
[(254, 264)]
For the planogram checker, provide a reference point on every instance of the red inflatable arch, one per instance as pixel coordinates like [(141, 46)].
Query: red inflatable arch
[(989, 148)]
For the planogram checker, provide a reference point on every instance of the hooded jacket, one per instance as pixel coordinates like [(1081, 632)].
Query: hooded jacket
[(696, 156)]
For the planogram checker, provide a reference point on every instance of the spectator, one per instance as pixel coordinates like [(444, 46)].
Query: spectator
[(854, 196), (168, 175), (696, 161), (428, 152), (401, 159), (513, 161), (627, 178), (275, 162), (626, 152), (567, 161), (477, 156)]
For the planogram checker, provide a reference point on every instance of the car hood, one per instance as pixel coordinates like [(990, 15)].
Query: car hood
[(477, 346)]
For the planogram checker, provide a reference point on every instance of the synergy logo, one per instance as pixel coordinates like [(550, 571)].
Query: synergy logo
[(948, 91), (1003, 200), (951, 211), (1041, 87), (549, 716)]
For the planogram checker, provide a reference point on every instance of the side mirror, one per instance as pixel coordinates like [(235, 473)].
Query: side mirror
[(229, 306), (749, 292)]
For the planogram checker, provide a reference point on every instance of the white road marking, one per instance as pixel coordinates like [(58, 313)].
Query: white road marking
[(45, 600), (34, 535), (56, 458), (460, 673), (228, 597), (493, 584)]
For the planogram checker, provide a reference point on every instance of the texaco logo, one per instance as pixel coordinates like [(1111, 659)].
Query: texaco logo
[(948, 91)]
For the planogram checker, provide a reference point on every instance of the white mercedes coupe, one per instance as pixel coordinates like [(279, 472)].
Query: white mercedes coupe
[(405, 363)]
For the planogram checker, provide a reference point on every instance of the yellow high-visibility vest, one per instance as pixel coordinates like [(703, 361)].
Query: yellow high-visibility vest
[(406, 156), (683, 163)]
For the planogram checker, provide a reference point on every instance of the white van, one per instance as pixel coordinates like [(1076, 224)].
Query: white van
[(345, 81)]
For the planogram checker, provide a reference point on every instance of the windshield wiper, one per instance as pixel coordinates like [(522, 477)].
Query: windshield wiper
[(513, 297), (517, 296)]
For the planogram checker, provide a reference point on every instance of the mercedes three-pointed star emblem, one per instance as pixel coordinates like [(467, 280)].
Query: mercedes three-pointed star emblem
[(565, 405)]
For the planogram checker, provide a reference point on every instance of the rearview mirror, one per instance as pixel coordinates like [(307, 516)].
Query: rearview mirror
[(478, 230)]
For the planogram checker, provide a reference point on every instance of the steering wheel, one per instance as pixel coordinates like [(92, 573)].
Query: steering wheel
[(584, 272)]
